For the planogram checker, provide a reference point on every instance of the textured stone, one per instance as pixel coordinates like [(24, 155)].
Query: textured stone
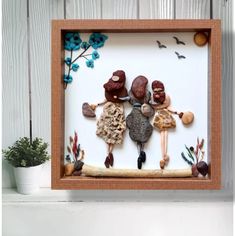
[(139, 126), (111, 124), (164, 120), (87, 110)]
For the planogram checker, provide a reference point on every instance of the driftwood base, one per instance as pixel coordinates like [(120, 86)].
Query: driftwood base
[(125, 173)]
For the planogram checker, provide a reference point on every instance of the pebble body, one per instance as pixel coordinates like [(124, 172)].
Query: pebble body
[(139, 126)]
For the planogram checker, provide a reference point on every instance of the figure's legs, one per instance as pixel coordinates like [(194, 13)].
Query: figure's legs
[(163, 147), (142, 156), (166, 157), (109, 159)]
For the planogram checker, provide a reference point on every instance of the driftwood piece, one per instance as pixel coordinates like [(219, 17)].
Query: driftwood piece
[(93, 171)]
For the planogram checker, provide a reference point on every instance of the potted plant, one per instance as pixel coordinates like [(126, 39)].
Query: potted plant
[(27, 156)]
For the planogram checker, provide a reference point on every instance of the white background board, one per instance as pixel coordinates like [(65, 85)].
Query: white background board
[(138, 54)]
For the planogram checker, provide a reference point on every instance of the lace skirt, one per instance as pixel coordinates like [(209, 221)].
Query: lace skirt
[(111, 124), (163, 120)]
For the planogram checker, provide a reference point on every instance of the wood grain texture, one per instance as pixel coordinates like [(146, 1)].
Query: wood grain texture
[(119, 9), (83, 9), (223, 10), (192, 9), (156, 9), (40, 14), (15, 88)]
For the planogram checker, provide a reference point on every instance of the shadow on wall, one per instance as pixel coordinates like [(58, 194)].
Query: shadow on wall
[(8, 180), (147, 196)]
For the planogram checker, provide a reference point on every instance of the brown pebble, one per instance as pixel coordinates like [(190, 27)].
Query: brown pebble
[(69, 169), (138, 87), (111, 159), (195, 171), (187, 118), (202, 168), (87, 110), (200, 39), (77, 173), (162, 164)]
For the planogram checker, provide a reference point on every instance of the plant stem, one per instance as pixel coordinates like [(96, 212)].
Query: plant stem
[(85, 58), (80, 55)]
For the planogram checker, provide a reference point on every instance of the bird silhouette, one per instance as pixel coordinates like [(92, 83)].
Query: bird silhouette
[(180, 56), (178, 41), (160, 45)]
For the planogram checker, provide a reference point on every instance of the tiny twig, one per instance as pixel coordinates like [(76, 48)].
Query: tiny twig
[(80, 54), (85, 57)]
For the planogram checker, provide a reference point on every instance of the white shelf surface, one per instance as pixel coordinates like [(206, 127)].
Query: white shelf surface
[(10, 195)]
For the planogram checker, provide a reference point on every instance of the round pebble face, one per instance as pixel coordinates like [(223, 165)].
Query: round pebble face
[(115, 78), (200, 39)]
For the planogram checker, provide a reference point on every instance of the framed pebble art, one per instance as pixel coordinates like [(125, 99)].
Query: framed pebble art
[(136, 104)]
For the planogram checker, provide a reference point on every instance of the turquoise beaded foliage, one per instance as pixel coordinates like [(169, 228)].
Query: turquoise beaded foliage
[(73, 42)]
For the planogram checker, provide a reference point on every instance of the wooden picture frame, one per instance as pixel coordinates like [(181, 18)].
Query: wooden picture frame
[(59, 27)]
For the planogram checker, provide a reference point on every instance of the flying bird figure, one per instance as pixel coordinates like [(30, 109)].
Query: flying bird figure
[(180, 56), (160, 45), (178, 41)]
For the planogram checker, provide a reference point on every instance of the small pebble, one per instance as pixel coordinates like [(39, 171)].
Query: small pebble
[(87, 110), (147, 110), (143, 156), (139, 163), (77, 173), (200, 39), (107, 162), (195, 171), (69, 169), (187, 118), (202, 168), (111, 159), (162, 164), (78, 165)]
